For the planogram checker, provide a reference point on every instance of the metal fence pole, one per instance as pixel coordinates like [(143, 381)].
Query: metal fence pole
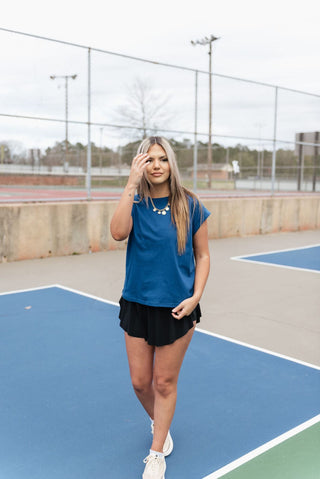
[(88, 177), (300, 160), (89, 124), (195, 147), (315, 159), (66, 101), (274, 153)]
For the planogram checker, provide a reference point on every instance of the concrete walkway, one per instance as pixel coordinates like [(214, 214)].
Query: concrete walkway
[(273, 308)]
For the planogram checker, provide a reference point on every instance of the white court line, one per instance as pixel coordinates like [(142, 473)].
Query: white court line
[(260, 450), (257, 348), (231, 340), (276, 265), (28, 289), (61, 287), (86, 294), (279, 250), (245, 258), (252, 454), (203, 331)]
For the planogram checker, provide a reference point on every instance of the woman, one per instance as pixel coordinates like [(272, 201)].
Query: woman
[(166, 272)]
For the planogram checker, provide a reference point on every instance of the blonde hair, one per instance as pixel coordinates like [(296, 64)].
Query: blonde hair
[(180, 215)]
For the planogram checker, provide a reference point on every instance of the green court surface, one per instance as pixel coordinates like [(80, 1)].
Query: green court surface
[(295, 458)]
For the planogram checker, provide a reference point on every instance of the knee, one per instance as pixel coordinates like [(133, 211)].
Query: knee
[(165, 385), (141, 385)]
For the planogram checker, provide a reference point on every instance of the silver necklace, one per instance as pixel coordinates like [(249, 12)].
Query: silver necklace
[(163, 211)]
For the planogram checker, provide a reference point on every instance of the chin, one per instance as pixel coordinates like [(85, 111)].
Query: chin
[(158, 181)]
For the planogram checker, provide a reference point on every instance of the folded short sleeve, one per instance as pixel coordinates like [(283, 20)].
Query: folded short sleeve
[(199, 214)]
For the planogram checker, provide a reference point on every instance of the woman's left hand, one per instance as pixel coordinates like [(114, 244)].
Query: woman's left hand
[(185, 308)]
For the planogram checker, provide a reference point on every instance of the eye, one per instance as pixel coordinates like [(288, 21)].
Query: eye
[(164, 159)]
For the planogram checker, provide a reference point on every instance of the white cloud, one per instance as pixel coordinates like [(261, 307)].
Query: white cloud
[(275, 42)]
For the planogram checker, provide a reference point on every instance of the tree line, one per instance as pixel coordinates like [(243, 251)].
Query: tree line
[(251, 161)]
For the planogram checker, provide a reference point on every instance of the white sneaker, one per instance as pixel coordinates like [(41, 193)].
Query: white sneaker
[(155, 467), (168, 443)]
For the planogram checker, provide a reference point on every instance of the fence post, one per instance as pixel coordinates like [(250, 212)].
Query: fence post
[(315, 160), (88, 177), (195, 147), (300, 160), (274, 153)]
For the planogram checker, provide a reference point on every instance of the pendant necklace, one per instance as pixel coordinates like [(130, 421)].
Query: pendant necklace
[(162, 211)]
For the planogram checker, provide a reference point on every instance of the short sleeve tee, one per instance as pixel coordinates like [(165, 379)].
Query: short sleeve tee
[(156, 274)]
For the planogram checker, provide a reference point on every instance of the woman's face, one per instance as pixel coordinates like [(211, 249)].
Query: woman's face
[(158, 168)]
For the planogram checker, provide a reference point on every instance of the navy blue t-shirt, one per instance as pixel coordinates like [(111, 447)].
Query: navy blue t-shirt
[(156, 274)]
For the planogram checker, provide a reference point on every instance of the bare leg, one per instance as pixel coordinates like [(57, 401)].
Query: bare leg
[(167, 364), (140, 356)]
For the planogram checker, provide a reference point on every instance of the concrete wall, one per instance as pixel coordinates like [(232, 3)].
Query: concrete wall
[(55, 229)]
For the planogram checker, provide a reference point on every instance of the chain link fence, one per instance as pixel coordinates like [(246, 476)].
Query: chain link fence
[(72, 116)]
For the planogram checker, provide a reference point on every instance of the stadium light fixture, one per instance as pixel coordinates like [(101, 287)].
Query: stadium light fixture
[(208, 41), (66, 78)]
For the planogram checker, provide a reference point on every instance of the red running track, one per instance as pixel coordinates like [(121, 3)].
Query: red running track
[(34, 194)]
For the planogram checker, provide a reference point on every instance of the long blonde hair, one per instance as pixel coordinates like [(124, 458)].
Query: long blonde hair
[(180, 215)]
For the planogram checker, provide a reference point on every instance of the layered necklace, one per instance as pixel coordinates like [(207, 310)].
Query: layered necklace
[(162, 211)]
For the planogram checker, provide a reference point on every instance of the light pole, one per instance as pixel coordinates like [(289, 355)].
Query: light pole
[(66, 77), (260, 152), (208, 41)]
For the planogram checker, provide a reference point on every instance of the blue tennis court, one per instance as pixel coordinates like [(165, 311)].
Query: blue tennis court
[(68, 409), (306, 258)]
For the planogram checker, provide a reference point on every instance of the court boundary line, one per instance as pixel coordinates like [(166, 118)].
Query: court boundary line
[(199, 330), (61, 287), (28, 289), (258, 348), (245, 258), (86, 294), (277, 265), (281, 250), (251, 454), (262, 449)]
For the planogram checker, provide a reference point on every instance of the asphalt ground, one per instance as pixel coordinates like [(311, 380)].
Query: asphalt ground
[(275, 308), (68, 409), (261, 410)]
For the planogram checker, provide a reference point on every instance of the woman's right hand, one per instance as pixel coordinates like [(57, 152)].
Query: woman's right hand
[(138, 166), (121, 222)]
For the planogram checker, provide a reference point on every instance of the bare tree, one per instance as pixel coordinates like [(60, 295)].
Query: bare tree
[(146, 110), (12, 151)]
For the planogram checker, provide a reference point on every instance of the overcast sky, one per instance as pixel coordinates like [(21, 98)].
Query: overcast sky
[(275, 42)]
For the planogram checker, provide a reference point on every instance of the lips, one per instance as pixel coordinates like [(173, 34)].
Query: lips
[(156, 174)]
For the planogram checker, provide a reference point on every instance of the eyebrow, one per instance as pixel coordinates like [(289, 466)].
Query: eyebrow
[(160, 157)]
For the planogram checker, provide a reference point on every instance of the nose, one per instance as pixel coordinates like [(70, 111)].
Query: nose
[(156, 164)]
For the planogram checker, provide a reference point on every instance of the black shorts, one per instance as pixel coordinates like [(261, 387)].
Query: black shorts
[(155, 324)]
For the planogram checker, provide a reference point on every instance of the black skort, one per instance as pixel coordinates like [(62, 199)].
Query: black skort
[(155, 324)]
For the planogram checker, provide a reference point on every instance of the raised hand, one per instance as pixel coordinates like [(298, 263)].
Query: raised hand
[(121, 222), (138, 166)]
